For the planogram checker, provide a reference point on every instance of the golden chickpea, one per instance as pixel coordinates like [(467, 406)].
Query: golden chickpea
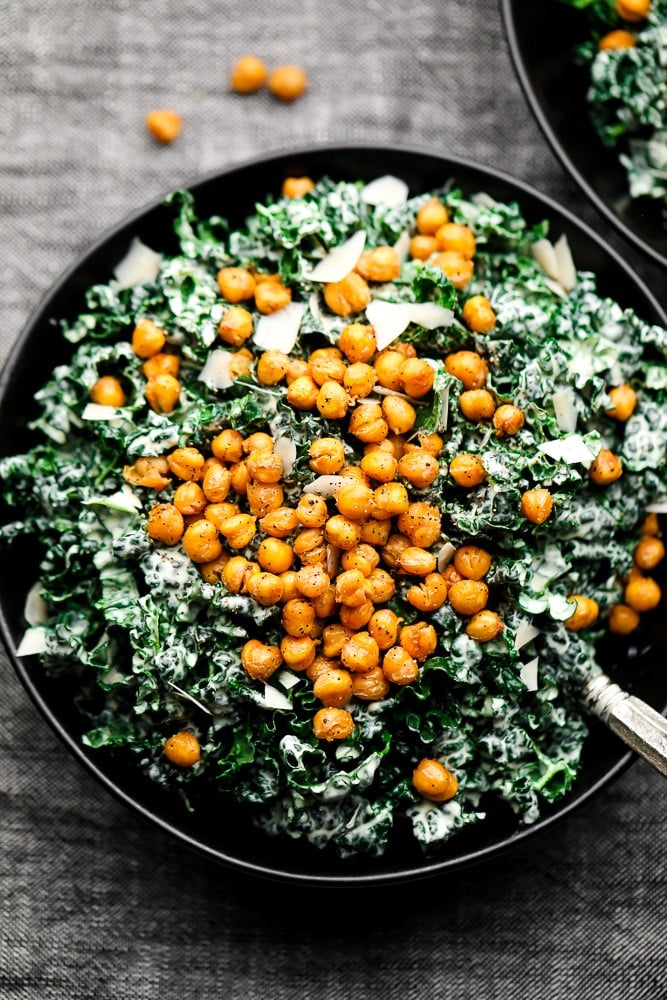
[(161, 364), (239, 530), (164, 125), (618, 39), (333, 724), (235, 326), (624, 401), (275, 555), (332, 402), (370, 686), (266, 588), (356, 474), (289, 585), (453, 237), (478, 314), (380, 586), (218, 512), (388, 365), (348, 296), (151, 472), (310, 547), (367, 423), (148, 339), (455, 266), (384, 627), (312, 581), (320, 665), (508, 420), (416, 561), (312, 511), (165, 523), (212, 572), (326, 365), (228, 446), (287, 82), (234, 573), (333, 687), (186, 463), (360, 653), (298, 617), (333, 637), (432, 443), (270, 296), (107, 391), (419, 640), (391, 552), (399, 667), (390, 500), (182, 749), (297, 652), (633, 10), (417, 377), (236, 284), (469, 367), (622, 619), (585, 612), (362, 557), (649, 551), (642, 593), (484, 626), (467, 470), (423, 246), (258, 441), (189, 498), (431, 216), (296, 368), (430, 594), (260, 660), (477, 404), (264, 497), (272, 367), (357, 342), (327, 456), (296, 187), (217, 482), (421, 523), (264, 466), (248, 74), (650, 525), (606, 468), (379, 264), (201, 542), (375, 532), (354, 501), (359, 379), (399, 414), (419, 468), (379, 465), (350, 587), (303, 393), (355, 618), (536, 505), (467, 597), (433, 781), (472, 562)]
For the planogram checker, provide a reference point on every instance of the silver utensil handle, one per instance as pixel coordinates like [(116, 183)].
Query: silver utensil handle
[(639, 726)]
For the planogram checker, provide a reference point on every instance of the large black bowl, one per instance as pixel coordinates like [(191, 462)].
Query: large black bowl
[(226, 836), (542, 35)]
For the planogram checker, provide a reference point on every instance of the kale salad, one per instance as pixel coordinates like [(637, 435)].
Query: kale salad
[(626, 56), (334, 507)]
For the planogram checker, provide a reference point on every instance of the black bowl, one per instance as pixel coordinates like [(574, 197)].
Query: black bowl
[(542, 35), (227, 837)]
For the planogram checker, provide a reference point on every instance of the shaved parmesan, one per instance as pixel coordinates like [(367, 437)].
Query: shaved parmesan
[(287, 678), (525, 633), (659, 507), (273, 698), (35, 610), (567, 273), (333, 559), (33, 641), (545, 255), (96, 411), (528, 674), (445, 555), (565, 410), (429, 315), (279, 330), (216, 372), (340, 261), (402, 246), (570, 449), (286, 449), (139, 265), (190, 697), (386, 190), (326, 486), (388, 319)]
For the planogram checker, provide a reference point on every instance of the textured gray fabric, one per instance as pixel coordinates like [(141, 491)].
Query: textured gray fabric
[(92, 903)]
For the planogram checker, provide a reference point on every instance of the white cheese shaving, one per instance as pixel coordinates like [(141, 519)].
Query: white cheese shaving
[(545, 255), (216, 372), (567, 273), (430, 315), (279, 330), (445, 555), (35, 610), (570, 449), (333, 559), (565, 410), (273, 698), (402, 246), (390, 319), (139, 265), (659, 507), (340, 261), (33, 641), (525, 633), (287, 678), (96, 411), (386, 190), (326, 486), (286, 449), (528, 674)]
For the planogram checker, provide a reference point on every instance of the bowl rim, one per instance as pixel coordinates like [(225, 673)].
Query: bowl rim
[(509, 21), (437, 867)]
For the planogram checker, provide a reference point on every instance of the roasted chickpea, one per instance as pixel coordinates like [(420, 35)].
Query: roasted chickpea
[(348, 296), (264, 497), (272, 367), (296, 187), (585, 612), (234, 573), (622, 619), (165, 523), (236, 284), (228, 446), (399, 414), (430, 594), (151, 472), (298, 653), (359, 379), (147, 339), (419, 468), (536, 505), (182, 749), (618, 39), (333, 724), (375, 532), (642, 593), (467, 597), (367, 423), (472, 562), (650, 524), (235, 326), (633, 10), (455, 266), (371, 685), (477, 404), (469, 367), (390, 500), (384, 628), (379, 264), (333, 687), (354, 501), (333, 637), (431, 216), (432, 443), (478, 314), (201, 542), (423, 246), (360, 653), (362, 557), (296, 368), (432, 780), (287, 82), (419, 640), (379, 465), (312, 511), (332, 401), (303, 393), (467, 470), (275, 555), (357, 342), (350, 587), (416, 561), (270, 296), (606, 468), (161, 364), (239, 530), (624, 401), (380, 586), (298, 617), (248, 74), (186, 463), (649, 551), (266, 588), (357, 617), (260, 660), (107, 391), (484, 626), (421, 523), (310, 547), (399, 667), (312, 581), (508, 420), (264, 466), (455, 237), (212, 572), (327, 456), (189, 498), (417, 377), (388, 365), (326, 365)]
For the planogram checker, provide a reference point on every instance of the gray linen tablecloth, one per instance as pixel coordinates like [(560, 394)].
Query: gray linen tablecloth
[(93, 904)]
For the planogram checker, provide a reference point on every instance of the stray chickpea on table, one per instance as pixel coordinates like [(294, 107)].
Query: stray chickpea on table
[(249, 74)]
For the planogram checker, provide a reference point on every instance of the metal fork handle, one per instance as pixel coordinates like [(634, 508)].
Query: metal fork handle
[(639, 726)]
